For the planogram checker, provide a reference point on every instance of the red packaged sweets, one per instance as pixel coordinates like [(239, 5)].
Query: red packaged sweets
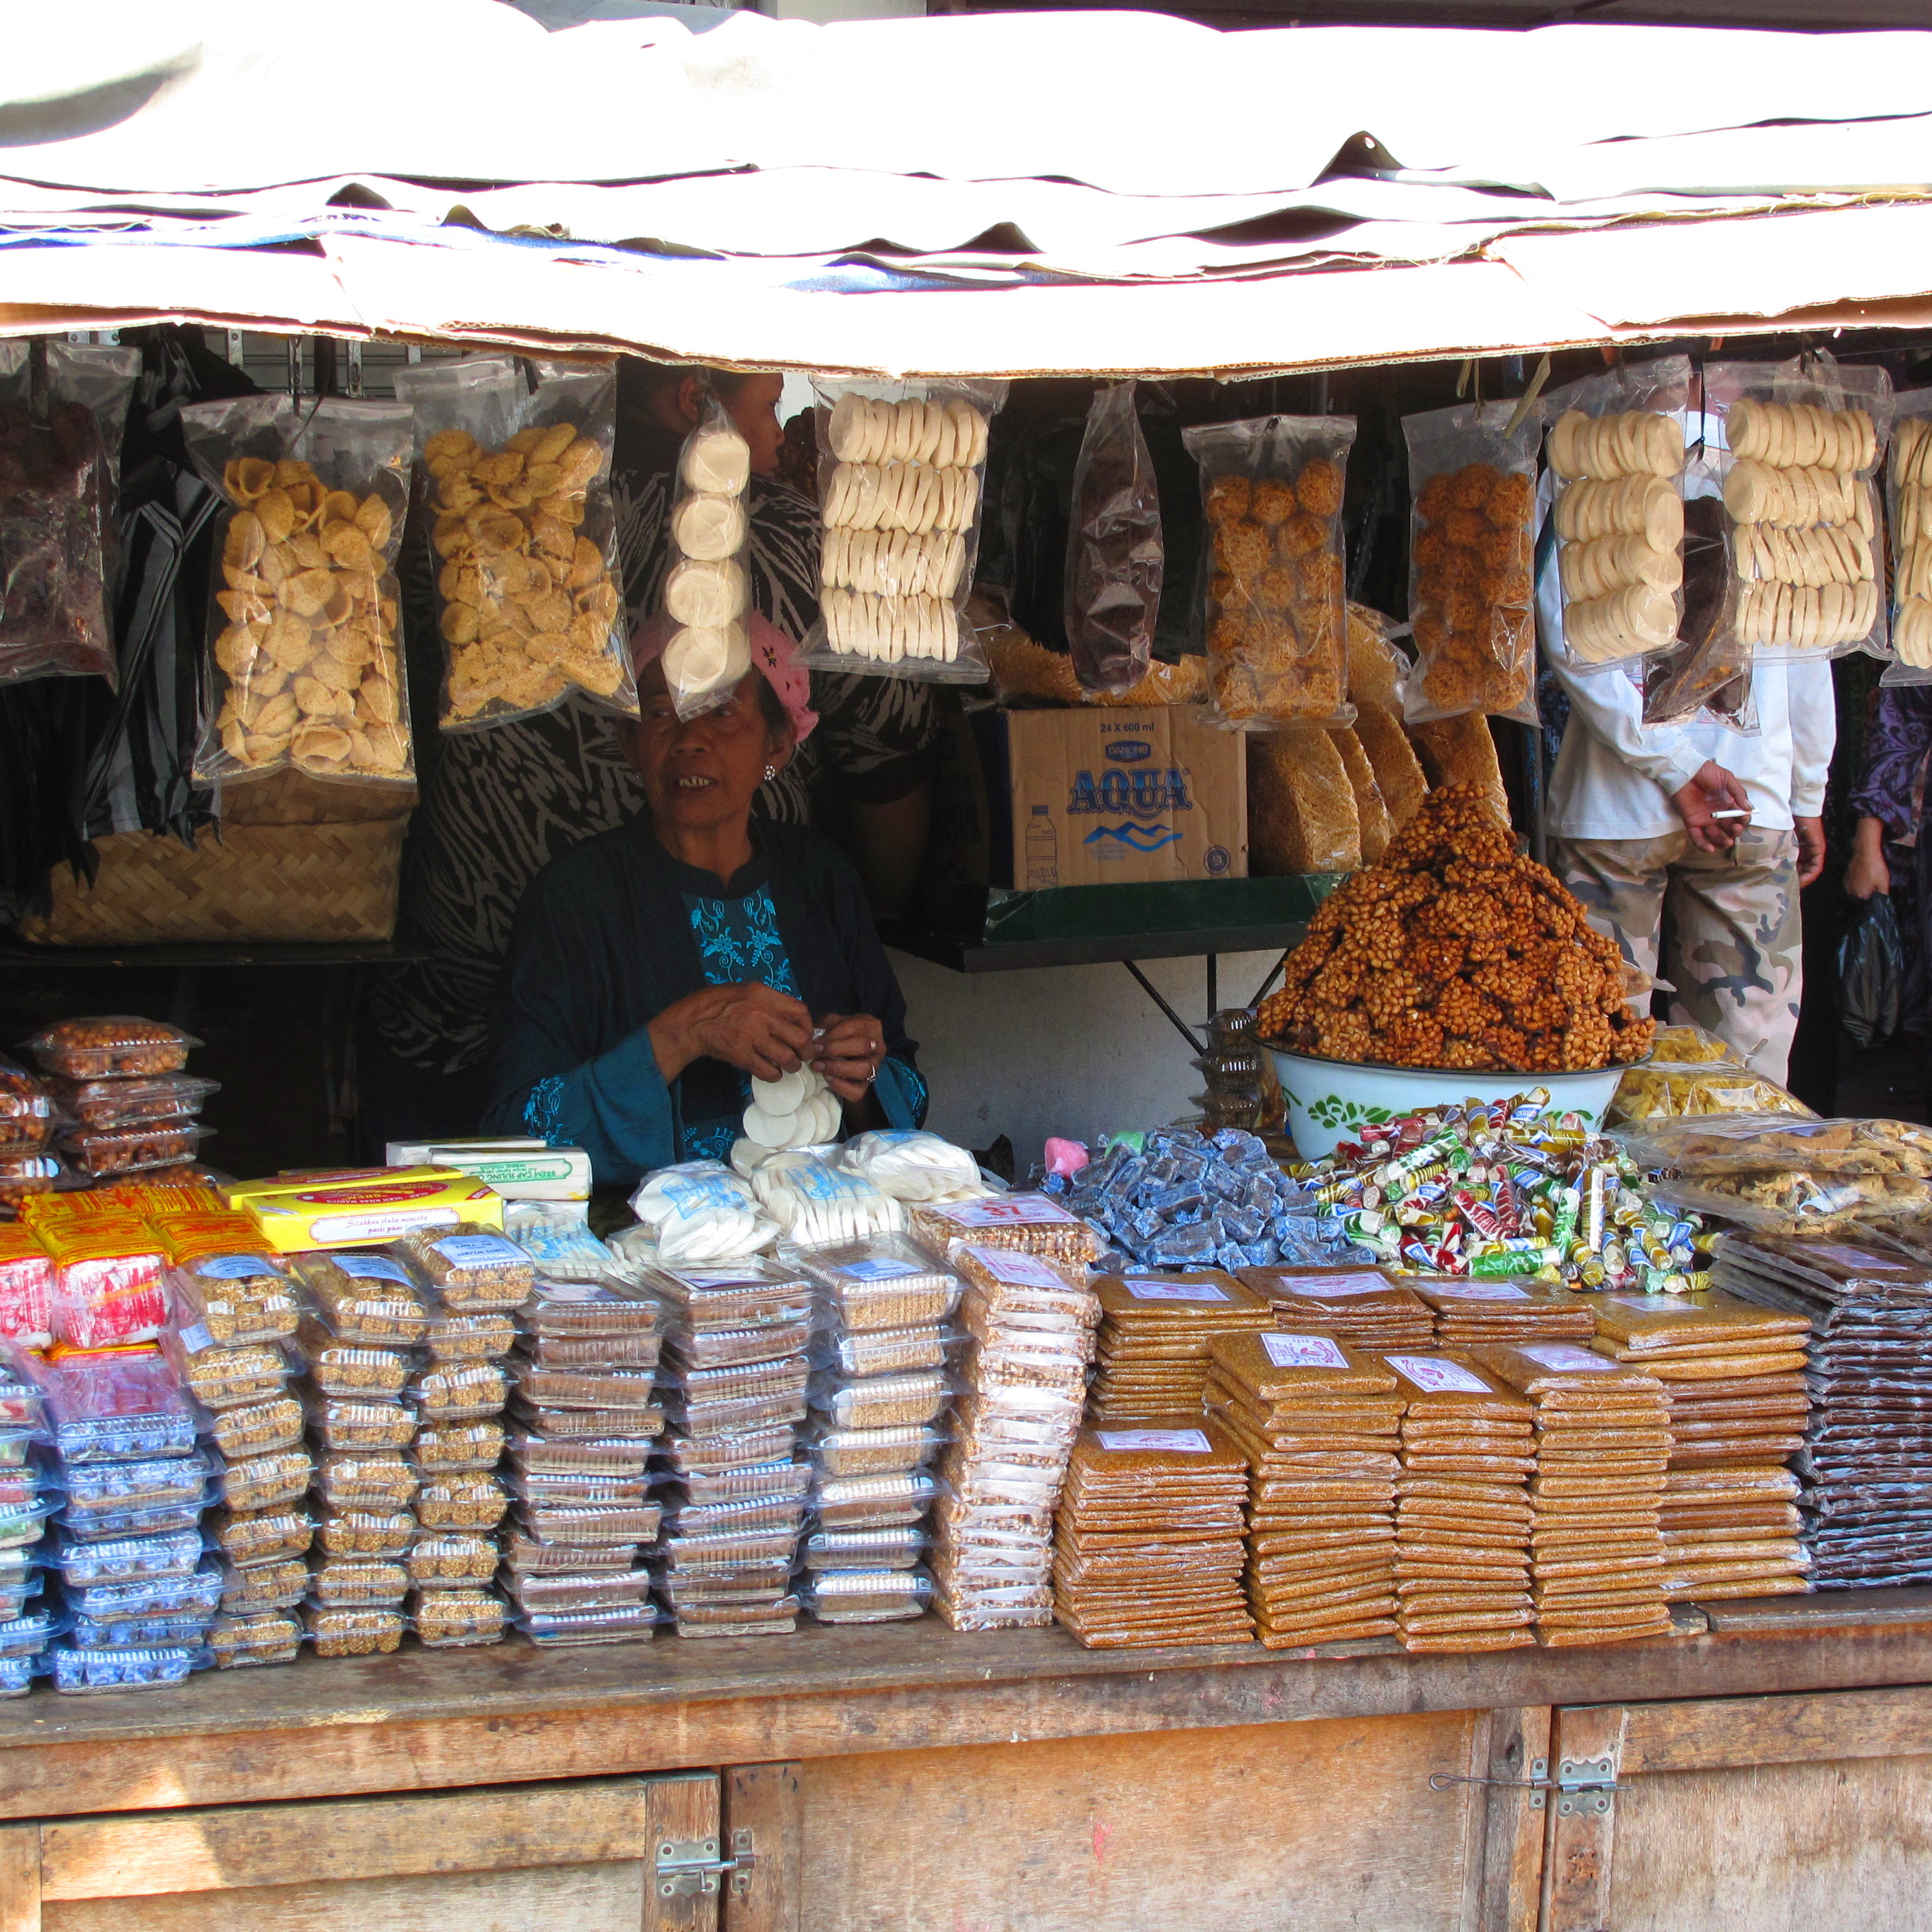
[(26, 1289), (108, 1281)]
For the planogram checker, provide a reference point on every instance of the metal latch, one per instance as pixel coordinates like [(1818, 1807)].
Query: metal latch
[(1582, 1785), (687, 1868)]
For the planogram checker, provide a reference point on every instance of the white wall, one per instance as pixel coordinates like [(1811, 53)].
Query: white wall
[(1071, 1050)]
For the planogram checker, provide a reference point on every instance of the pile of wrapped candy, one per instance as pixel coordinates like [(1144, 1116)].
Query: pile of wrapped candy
[(1175, 1200), (1507, 1188)]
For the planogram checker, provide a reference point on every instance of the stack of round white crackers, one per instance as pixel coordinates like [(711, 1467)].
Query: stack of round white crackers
[(708, 590), (1912, 540), (897, 512), (1620, 519), (1804, 523)]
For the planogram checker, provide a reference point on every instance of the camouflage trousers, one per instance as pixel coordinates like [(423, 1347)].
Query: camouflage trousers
[(1736, 962)]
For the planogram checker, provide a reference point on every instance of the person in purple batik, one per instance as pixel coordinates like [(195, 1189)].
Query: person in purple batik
[(1890, 851)]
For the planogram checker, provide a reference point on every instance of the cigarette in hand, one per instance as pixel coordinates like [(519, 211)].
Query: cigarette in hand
[(1735, 812)]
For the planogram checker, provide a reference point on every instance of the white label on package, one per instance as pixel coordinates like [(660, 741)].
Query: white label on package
[(195, 1338), (883, 1268), (371, 1267), (1022, 1271), (478, 1250), (1479, 1291), (233, 1268), (736, 1277), (329, 1229), (1190, 1441), (1303, 1351), (1334, 1289), (1433, 1373), (1176, 1291), (1008, 1211), (1564, 1355)]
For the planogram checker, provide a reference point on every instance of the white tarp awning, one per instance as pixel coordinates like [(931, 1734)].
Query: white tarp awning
[(1017, 193)]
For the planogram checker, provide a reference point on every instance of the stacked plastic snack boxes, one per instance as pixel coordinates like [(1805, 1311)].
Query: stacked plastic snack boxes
[(586, 1419), (139, 1596), (122, 1097), (736, 1335), (27, 1626), (27, 1123), (407, 1352), (1029, 1319), (880, 1389), (233, 1313)]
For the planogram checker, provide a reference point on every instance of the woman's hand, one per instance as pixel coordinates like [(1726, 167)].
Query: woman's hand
[(1868, 872), (750, 1026), (848, 1052)]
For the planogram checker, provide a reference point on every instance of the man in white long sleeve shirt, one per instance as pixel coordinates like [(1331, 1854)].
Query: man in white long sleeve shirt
[(1631, 812)]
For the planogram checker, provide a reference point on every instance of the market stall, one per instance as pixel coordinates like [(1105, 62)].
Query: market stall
[(1468, 1472)]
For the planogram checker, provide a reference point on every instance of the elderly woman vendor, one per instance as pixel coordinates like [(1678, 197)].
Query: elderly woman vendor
[(655, 968)]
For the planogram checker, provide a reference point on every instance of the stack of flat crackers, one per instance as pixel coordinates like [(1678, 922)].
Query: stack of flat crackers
[(1463, 1517), (1602, 1445), (1147, 1545), (1734, 1375), (1319, 1423), (1363, 1306), (1469, 1313), (1152, 1343)]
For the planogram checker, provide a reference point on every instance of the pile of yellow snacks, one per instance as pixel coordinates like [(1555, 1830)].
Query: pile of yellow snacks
[(1693, 1072)]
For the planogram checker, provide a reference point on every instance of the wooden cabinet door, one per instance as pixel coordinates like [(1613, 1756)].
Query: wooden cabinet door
[(587, 1856), (1805, 1813)]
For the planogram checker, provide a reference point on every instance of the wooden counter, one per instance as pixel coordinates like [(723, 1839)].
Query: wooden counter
[(1770, 1766)]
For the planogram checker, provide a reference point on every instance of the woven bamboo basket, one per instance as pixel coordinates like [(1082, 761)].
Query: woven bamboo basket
[(318, 883)]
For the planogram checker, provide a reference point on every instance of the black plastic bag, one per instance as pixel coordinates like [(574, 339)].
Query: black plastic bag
[(1871, 972), (1115, 559)]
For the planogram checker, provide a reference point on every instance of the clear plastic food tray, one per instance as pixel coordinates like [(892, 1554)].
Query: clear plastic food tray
[(642, 1350), (551, 1385), (78, 1672), (152, 1480), (127, 1559), (867, 1596), (449, 1619), (896, 1548), (468, 1500), (450, 1391), (559, 1308), (726, 1348), (122, 1633), (531, 1556), (260, 1482), (889, 1281), (264, 1586), (583, 1590), (268, 1636), (387, 1481), (478, 1337), (339, 1580), (785, 1512), (185, 1593), (94, 1523), (535, 1455), (589, 1523), (626, 1623), (873, 1452), (357, 1427), (366, 1532), (459, 1445), (773, 1481), (710, 1454)]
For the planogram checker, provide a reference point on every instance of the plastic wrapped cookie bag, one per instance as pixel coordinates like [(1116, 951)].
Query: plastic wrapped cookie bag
[(698, 1210), (910, 1164), (1804, 442), (1276, 619), (814, 1203), (901, 467), (1616, 452), (528, 588), (1115, 557), (307, 665), (63, 406), (707, 591), (1909, 491), (1472, 536)]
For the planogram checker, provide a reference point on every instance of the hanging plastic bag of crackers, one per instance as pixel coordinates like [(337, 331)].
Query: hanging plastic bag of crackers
[(307, 670), (63, 407), (901, 467), (1115, 558), (1803, 440), (528, 596), (1910, 496), (707, 591), (1277, 616), (1471, 536), (1615, 451)]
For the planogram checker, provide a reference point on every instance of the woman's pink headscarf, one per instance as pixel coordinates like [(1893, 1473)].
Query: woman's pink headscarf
[(774, 656)]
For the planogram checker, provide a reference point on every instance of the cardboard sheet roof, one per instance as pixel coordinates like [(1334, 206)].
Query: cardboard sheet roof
[(999, 194)]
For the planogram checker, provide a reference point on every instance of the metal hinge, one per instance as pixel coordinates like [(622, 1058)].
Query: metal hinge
[(688, 1867), (1582, 1785)]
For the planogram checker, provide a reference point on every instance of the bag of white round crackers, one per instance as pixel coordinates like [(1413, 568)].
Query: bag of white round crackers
[(306, 667), (900, 466), (707, 591), (1909, 500), (1804, 441), (1616, 451), (1271, 489), (529, 596), (1472, 483)]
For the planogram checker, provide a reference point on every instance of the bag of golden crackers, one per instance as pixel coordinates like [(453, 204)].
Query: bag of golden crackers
[(1276, 622), (307, 665), (529, 591)]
